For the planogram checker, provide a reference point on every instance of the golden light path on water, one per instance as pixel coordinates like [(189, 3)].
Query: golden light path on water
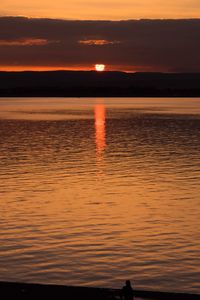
[(94, 191), (100, 119)]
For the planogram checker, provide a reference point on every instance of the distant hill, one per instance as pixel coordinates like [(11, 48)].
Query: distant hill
[(94, 84)]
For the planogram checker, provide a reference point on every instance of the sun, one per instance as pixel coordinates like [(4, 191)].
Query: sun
[(100, 67)]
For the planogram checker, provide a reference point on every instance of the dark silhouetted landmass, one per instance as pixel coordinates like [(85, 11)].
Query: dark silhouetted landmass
[(13, 290), (98, 84)]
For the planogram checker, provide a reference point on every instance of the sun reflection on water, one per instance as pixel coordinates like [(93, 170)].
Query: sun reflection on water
[(100, 128)]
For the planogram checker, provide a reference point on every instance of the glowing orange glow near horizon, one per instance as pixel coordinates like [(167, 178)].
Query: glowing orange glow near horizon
[(18, 68), (100, 67), (121, 68)]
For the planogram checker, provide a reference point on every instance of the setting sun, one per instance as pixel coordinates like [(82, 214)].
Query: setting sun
[(99, 67)]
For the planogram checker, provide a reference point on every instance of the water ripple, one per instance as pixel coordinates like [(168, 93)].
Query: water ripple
[(94, 201)]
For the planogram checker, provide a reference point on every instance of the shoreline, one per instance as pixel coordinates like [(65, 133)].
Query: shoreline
[(19, 290), (97, 84), (99, 94)]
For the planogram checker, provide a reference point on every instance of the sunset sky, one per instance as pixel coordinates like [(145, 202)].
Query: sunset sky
[(102, 10), (127, 35)]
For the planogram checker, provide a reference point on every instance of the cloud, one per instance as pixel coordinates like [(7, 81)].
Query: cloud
[(97, 42), (142, 45), (24, 42)]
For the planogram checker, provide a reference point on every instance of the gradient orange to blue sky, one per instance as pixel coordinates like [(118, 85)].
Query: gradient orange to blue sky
[(127, 35)]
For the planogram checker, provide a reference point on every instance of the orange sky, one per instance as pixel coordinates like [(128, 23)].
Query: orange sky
[(104, 9), (37, 44)]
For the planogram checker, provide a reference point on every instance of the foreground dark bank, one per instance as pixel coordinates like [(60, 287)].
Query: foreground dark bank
[(98, 84), (13, 290)]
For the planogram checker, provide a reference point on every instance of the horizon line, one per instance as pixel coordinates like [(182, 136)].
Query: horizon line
[(94, 71), (99, 20)]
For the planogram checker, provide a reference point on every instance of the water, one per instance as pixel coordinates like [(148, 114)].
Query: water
[(95, 191)]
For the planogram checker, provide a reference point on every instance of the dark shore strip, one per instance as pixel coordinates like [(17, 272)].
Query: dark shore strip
[(15, 290), (98, 84), (91, 92)]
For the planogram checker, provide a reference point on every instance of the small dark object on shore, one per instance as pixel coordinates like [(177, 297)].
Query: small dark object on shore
[(127, 291)]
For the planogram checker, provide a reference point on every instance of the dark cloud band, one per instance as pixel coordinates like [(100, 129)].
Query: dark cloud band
[(144, 45)]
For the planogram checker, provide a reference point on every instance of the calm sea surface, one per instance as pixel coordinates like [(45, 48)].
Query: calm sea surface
[(96, 191)]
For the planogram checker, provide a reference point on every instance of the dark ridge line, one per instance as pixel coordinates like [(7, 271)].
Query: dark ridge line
[(20, 290), (98, 84)]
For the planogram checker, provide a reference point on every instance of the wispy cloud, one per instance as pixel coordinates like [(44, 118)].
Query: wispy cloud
[(98, 42), (24, 42)]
